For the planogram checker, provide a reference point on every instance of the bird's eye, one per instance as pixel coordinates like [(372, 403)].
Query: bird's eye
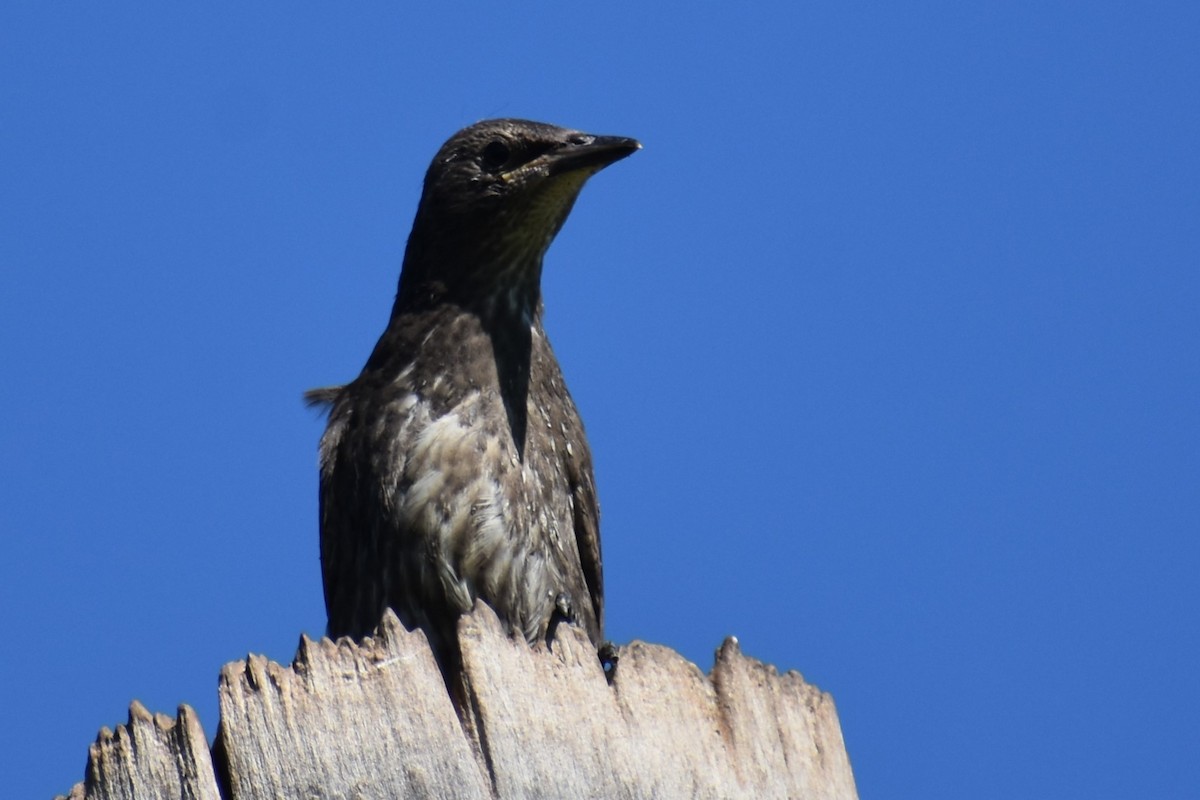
[(496, 154)]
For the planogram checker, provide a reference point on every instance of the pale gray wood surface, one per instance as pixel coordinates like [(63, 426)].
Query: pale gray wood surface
[(375, 720), (151, 756)]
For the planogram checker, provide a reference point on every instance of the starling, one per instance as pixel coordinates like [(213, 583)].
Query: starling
[(455, 467)]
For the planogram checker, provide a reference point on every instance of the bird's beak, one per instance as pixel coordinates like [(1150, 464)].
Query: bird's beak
[(588, 154), (591, 153)]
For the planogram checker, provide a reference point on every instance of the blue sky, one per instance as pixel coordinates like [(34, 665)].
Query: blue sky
[(887, 344)]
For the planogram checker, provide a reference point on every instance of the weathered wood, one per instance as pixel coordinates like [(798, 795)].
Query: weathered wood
[(149, 757), (374, 720), (346, 721)]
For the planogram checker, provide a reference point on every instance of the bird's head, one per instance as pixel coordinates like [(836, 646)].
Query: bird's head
[(495, 196)]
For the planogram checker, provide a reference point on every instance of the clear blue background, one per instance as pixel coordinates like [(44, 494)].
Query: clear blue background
[(887, 344)]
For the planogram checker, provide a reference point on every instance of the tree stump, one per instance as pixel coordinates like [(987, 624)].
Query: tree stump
[(374, 719)]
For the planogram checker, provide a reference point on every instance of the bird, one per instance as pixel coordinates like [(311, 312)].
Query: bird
[(455, 467)]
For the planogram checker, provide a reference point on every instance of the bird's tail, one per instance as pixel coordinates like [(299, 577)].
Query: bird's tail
[(322, 398)]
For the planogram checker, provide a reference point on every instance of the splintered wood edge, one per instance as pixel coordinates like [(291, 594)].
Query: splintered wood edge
[(149, 750), (771, 726)]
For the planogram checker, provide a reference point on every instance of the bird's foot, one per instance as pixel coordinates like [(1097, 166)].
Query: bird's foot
[(564, 609), (610, 654)]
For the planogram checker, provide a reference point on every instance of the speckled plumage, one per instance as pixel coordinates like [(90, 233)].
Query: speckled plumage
[(455, 466)]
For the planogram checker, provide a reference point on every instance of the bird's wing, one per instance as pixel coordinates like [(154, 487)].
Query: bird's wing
[(576, 459), (587, 535), (340, 527), (587, 523), (352, 528)]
